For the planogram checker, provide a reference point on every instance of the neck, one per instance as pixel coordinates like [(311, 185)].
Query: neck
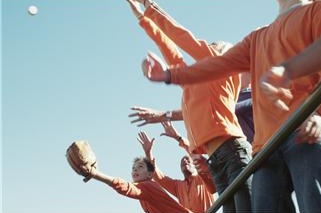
[(287, 5)]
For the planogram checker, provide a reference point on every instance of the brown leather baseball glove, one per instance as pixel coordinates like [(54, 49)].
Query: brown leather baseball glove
[(82, 159)]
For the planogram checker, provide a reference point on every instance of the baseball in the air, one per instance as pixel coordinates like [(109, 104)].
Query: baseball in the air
[(32, 10)]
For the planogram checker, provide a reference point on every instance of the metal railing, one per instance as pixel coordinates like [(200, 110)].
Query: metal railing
[(290, 125)]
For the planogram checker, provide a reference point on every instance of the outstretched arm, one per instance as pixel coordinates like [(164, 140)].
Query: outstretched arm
[(234, 61), (305, 63), (149, 116), (98, 175), (182, 37), (166, 45)]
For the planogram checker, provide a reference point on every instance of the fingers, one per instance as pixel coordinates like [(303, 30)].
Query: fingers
[(143, 114), (277, 96), (164, 124), (281, 105), (275, 87), (144, 136), (138, 108), (136, 120), (146, 67), (139, 140), (142, 124), (310, 131)]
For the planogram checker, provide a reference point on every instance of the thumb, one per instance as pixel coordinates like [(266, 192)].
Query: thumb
[(155, 60)]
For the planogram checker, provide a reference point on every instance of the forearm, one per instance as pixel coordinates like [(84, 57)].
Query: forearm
[(208, 69), (184, 143), (171, 115), (165, 45), (177, 115), (149, 155), (178, 34), (103, 178), (305, 63)]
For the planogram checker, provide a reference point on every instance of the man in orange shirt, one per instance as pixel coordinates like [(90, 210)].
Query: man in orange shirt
[(195, 192), (297, 26), (152, 197), (208, 109)]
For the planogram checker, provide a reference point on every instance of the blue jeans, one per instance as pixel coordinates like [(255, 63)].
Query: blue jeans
[(225, 164), (297, 164)]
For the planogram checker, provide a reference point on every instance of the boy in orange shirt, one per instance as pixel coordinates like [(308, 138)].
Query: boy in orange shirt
[(297, 26), (152, 197)]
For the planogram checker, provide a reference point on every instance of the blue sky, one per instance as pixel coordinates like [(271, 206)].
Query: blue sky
[(72, 72)]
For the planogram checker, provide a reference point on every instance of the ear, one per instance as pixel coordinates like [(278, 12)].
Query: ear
[(150, 175)]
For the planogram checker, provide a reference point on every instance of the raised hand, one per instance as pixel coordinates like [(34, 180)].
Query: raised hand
[(274, 85), (146, 143), (135, 6), (146, 116), (170, 131), (154, 68)]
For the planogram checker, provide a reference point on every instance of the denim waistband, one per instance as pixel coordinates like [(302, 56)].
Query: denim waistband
[(230, 145)]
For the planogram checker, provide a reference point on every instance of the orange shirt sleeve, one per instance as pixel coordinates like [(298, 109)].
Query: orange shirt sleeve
[(166, 46), (127, 189), (182, 37), (166, 182), (234, 61)]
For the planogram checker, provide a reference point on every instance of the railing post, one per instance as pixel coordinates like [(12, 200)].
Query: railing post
[(290, 125)]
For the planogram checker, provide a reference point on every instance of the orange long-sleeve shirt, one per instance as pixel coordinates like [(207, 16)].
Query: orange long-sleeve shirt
[(208, 109), (287, 36), (151, 196), (188, 192)]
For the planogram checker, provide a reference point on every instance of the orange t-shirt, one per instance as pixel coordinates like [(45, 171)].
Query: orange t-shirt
[(151, 195), (208, 109), (287, 36), (192, 193)]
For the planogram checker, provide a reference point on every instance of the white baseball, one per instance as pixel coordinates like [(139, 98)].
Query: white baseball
[(32, 10)]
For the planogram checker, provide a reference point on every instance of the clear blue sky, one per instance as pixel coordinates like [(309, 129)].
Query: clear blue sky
[(72, 72)]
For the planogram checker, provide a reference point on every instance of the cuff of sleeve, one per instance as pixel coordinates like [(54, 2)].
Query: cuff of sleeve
[(149, 11), (175, 71)]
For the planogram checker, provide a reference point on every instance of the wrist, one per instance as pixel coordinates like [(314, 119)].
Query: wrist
[(147, 3), (168, 115), (179, 138), (167, 76), (139, 17)]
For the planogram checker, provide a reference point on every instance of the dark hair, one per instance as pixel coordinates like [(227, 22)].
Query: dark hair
[(150, 166)]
